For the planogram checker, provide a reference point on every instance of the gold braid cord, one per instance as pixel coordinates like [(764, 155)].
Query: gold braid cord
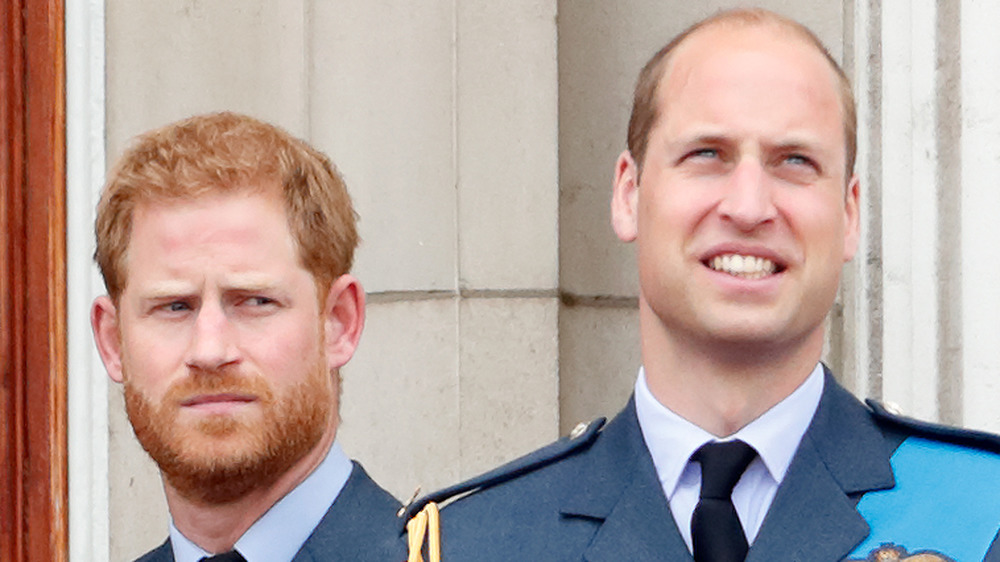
[(426, 523)]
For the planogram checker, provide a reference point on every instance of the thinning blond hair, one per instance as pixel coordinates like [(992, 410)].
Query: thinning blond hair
[(645, 111)]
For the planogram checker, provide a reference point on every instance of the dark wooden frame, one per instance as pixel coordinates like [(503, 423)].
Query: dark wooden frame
[(33, 468)]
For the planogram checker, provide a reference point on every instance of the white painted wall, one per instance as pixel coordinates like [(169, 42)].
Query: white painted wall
[(923, 297), (89, 524), (980, 201)]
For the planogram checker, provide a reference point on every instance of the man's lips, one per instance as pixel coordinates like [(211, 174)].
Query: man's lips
[(218, 398)]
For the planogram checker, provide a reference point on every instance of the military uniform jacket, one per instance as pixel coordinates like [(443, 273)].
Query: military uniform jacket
[(861, 484), (360, 526)]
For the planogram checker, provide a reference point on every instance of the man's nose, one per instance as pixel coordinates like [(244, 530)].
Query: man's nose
[(747, 201), (213, 341)]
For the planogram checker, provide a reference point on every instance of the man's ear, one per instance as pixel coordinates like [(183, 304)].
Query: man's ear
[(625, 198), (104, 322), (343, 319), (852, 218)]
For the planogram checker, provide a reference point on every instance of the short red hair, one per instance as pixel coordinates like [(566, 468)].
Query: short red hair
[(229, 152)]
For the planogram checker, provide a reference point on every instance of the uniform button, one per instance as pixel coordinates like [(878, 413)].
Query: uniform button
[(579, 430)]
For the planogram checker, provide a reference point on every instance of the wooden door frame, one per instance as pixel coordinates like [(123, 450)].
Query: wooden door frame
[(33, 461)]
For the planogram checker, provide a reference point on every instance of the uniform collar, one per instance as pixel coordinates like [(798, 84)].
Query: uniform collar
[(282, 530), (775, 435)]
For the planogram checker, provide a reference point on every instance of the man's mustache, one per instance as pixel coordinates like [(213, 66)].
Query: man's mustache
[(201, 382)]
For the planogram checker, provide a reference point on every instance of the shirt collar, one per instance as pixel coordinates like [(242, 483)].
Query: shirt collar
[(282, 530), (775, 435)]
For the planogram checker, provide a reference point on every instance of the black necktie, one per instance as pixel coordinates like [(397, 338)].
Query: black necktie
[(716, 533), (231, 556)]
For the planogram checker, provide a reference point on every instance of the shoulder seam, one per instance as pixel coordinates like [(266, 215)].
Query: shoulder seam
[(956, 435), (526, 464)]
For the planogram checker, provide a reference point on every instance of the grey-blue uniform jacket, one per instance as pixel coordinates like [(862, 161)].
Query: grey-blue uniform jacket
[(361, 526), (862, 483)]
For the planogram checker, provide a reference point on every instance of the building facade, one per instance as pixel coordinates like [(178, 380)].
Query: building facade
[(478, 141)]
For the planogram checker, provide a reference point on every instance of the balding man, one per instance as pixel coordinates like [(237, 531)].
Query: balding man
[(738, 444)]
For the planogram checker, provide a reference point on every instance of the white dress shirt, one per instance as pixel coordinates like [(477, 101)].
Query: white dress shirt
[(282, 530), (775, 435)]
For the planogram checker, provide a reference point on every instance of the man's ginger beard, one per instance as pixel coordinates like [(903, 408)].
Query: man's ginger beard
[(222, 457)]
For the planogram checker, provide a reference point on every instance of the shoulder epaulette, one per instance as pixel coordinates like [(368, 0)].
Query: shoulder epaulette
[(956, 435), (582, 436)]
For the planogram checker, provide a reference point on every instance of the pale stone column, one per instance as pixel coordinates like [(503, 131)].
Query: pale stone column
[(508, 197), (921, 308), (442, 117), (904, 179), (87, 400), (383, 108), (980, 203)]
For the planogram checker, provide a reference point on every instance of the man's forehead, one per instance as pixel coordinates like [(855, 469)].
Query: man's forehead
[(166, 285), (192, 225), (716, 57), (164, 210), (728, 38)]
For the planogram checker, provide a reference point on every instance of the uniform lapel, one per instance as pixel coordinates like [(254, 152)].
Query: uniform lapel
[(360, 525), (842, 456), (620, 491), (639, 528), (811, 517)]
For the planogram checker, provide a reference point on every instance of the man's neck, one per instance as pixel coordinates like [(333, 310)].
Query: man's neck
[(217, 527), (723, 387)]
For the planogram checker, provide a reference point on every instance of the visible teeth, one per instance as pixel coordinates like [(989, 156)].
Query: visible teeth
[(748, 267)]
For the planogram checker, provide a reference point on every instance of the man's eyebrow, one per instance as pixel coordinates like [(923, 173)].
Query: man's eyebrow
[(250, 283), (167, 289), (800, 138), (241, 283), (700, 138)]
